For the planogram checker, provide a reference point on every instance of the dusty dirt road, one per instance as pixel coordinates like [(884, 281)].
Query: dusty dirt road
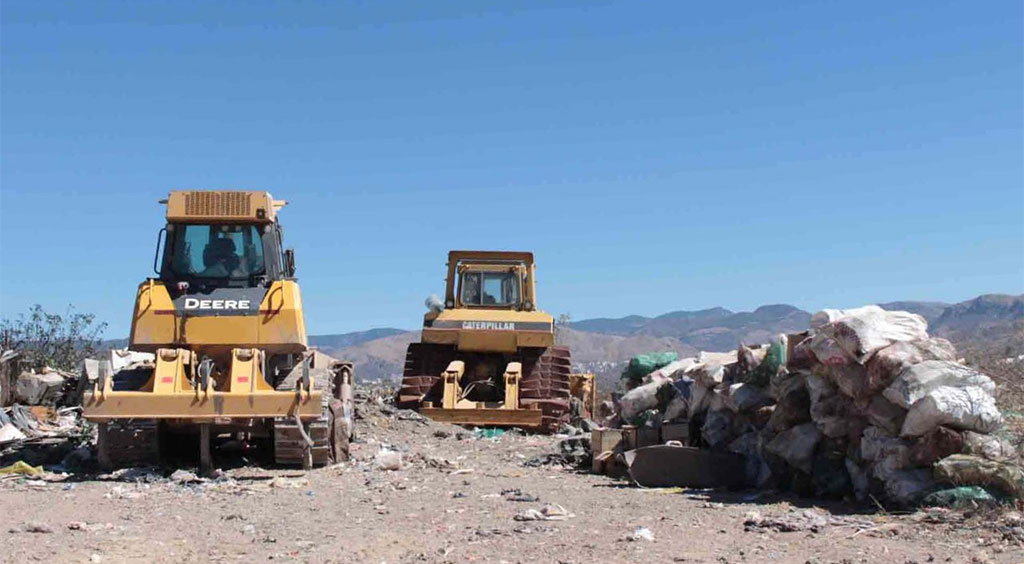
[(454, 500)]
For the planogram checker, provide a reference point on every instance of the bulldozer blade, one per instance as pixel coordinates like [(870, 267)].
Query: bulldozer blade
[(523, 418)]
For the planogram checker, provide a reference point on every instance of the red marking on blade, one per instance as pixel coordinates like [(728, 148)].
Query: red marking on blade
[(243, 379), (164, 312), (167, 379)]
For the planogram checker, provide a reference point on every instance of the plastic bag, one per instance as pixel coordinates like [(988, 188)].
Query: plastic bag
[(796, 445), (970, 408), (643, 364), (23, 468), (920, 379), (963, 469), (887, 364), (862, 331)]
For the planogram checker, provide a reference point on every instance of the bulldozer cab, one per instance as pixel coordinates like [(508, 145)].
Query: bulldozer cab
[(490, 286), (490, 280), (222, 240)]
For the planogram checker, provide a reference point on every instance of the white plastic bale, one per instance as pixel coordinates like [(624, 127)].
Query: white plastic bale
[(700, 399), (818, 387), (827, 351), (751, 446), (885, 453), (863, 331), (785, 384), (886, 415), (859, 479), (971, 408), (640, 399), (989, 446), (723, 358), (828, 409), (920, 379), (851, 379), (796, 445), (826, 316), (717, 429), (746, 397), (750, 358), (678, 408), (674, 370), (888, 363), (708, 374), (655, 377), (835, 416), (907, 487), (718, 399)]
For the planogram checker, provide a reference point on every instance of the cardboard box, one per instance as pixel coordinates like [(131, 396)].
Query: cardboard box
[(676, 431), (604, 440), (639, 437)]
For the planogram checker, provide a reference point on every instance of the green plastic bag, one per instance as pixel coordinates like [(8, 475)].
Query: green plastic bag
[(643, 364), (773, 359), (959, 498)]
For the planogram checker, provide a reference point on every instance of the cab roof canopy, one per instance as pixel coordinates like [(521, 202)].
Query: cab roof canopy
[(490, 256), (221, 206)]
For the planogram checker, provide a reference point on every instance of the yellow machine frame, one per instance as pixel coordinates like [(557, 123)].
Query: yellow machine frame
[(238, 340), (468, 328), (169, 394)]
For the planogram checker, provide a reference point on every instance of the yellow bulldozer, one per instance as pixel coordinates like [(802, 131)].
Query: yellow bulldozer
[(487, 355), (223, 318)]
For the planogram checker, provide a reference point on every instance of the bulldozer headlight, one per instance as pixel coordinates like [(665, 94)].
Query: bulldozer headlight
[(528, 305), (449, 304)]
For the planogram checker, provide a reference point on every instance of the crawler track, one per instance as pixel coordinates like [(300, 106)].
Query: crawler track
[(330, 433), (128, 442), (545, 381)]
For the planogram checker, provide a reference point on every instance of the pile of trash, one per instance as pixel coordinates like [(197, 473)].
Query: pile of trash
[(864, 403), (41, 434), (40, 413)]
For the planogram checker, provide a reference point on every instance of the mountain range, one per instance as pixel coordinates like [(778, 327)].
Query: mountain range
[(988, 323)]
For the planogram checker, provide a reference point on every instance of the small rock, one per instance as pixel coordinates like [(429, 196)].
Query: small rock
[(388, 460), (184, 476), (95, 558), (36, 528), (1013, 518), (641, 534), (547, 513)]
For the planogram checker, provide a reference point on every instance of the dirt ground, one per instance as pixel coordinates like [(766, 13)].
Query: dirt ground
[(455, 499)]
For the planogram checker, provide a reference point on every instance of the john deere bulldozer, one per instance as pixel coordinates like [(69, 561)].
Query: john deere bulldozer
[(223, 318), (487, 355)]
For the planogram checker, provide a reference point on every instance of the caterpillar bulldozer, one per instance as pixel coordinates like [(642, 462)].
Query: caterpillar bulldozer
[(223, 320), (487, 355)]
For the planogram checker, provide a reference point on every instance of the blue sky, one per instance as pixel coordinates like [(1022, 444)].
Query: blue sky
[(655, 156)]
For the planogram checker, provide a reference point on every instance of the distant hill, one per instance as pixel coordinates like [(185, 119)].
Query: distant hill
[(713, 329), (989, 323), (336, 342)]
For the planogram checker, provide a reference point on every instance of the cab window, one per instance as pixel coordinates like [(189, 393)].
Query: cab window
[(490, 289), (217, 251)]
